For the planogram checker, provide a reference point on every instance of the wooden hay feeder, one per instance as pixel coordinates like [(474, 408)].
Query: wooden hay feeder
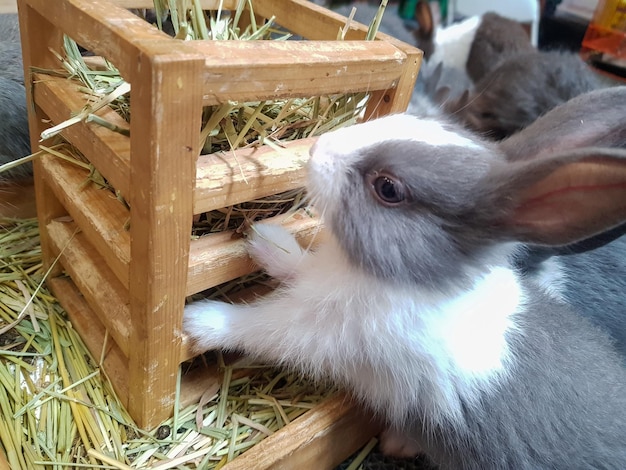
[(126, 287)]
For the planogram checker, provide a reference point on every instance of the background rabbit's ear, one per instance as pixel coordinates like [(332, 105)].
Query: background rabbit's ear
[(569, 197), (593, 119)]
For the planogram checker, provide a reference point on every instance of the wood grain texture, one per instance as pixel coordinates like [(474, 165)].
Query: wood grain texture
[(108, 151), (37, 40), (99, 214), (93, 333), (221, 257), (102, 291), (320, 439), (162, 173), (227, 178)]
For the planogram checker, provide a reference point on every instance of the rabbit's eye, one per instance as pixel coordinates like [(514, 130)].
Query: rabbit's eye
[(388, 190)]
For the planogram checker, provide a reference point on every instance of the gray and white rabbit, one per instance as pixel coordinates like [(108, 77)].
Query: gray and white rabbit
[(412, 303)]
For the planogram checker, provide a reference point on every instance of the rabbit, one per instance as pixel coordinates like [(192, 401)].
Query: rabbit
[(413, 304), (521, 89), (497, 38), (514, 83)]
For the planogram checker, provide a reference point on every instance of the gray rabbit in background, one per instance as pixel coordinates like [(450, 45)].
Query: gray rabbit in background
[(412, 301), (514, 83), (14, 133), (520, 89), (436, 82)]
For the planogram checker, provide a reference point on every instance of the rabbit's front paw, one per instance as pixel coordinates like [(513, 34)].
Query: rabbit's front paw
[(207, 324), (275, 249), (398, 444)]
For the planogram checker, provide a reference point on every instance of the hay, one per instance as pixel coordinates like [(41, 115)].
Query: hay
[(58, 407), (228, 126)]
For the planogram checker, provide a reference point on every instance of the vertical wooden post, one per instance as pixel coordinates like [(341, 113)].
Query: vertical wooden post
[(396, 100), (164, 150), (38, 37)]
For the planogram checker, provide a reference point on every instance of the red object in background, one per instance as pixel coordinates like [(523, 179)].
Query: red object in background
[(605, 39)]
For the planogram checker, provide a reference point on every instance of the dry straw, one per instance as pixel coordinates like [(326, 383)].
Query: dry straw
[(231, 125), (57, 407)]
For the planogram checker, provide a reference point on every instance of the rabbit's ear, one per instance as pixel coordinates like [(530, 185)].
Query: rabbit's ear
[(594, 119), (426, 23), (563, 199)]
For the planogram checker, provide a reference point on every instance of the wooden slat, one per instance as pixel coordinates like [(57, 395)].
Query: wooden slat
[(107, 297), (320, 439), (218, 258), (317, 23), (227, 178), (205, 4), (295, 68), (100, 216), (93, 333), (108, 151), (103, 28), (288, 69)]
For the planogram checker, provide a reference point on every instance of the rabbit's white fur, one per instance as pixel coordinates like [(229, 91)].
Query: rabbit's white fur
[(450, 344), (453, 44)]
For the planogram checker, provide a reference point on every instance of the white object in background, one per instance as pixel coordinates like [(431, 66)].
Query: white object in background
[(524, 11), (582, 8)]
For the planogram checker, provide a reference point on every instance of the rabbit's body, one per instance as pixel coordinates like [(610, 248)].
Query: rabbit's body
[(412, 303), (592, 282), (562, 405), (485, 373), (14, 133), (14, 136), (521, 89)]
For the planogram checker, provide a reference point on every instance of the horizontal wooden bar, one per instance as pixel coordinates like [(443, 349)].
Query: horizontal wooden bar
[(93, 333), (321, 438), (227, 178), (218, 258), (88, 270), (108, 151), (264, 70), (230, 72), (99, 214)]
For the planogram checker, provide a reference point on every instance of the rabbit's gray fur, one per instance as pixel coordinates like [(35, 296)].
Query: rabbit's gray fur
[(496, 39), (593, 282), (9, 28), (14, 136), (589, 275), (11, 61), (521, 89), (14, 133)]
